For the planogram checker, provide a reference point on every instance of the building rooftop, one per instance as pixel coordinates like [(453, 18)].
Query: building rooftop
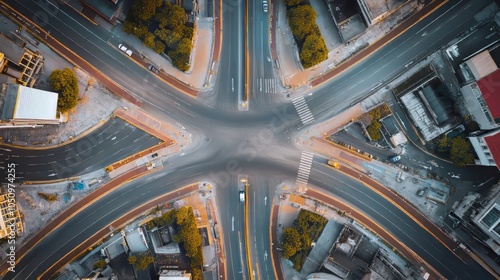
[(482, 65), (105, 7), (12, 51), (24, 103), (490, 89), (493, 142)]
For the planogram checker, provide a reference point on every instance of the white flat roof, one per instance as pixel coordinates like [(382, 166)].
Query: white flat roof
[(35, 104)]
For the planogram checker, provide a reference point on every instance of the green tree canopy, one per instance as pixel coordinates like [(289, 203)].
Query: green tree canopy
[(149, 40), (132, 259), (374, 130), (313, 51), (444, 144), (142, 262), (291, 242), (159, 46), (171, 16), (302, 21), (145, 9), (100, 264), (65, 83), (292, 3), (461, 152)]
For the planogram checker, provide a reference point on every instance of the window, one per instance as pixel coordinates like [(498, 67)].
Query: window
[(484, 147), (491, 217), (488, 154)]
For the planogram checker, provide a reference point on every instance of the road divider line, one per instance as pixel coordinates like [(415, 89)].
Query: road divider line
[(120, 222), (395, 241), (78, 207)]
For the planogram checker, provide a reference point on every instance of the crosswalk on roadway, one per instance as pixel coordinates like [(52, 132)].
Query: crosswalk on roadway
[(268, 85), (303, 110), (306, 160)]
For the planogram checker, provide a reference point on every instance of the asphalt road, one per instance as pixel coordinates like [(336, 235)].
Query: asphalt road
[(260, 141), (111, 142)]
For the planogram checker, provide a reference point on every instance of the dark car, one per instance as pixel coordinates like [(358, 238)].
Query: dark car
[(153, 69), (395, 158)]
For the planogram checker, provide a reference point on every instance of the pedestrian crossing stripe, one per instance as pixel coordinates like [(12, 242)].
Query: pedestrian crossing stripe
[(302, 109)]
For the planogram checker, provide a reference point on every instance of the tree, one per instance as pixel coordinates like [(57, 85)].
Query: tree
[(313, 51), (291, 242), (65, 83), (374, 130), (461, 153), (302, 21), (176, 17), (128, 27), (444, 144), (173, 38), (141, 31), (292, 3), (145, 9), (100, 264), (132, 259), (159, 46), (149, 40), (143, 261)]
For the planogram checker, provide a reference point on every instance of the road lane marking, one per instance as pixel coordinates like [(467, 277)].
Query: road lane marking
[(302, 109)]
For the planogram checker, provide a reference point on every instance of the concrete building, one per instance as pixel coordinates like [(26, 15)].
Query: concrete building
[(20, 62), (430, 109), (376, 10), (482, 99), (10, 217), (487, 147), (109, 10), (174, 275), (480, 216), (488, 220), (477, 67), (26, 106)]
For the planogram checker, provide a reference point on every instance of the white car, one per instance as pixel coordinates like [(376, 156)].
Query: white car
[(242, 196), (125, 49), (265, 6)]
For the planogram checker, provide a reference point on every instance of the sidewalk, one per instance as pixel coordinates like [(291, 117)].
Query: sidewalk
[(293, 76), (201, 59), (74, 209)]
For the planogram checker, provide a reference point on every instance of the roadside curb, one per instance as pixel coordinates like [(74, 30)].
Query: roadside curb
[(371, 48), (74, 209), (80, 136), (121, 221), (362, 215)]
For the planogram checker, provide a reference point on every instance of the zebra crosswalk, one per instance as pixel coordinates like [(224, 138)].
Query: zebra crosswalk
[(267, 85), (303, 110), (306, 160)]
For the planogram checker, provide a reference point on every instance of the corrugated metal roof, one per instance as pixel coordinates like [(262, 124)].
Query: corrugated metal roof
[(35, 104), (493, 142), (482, 64), (490, 89)]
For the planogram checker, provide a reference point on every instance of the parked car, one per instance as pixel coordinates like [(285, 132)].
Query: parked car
[(265, 6), (421, 192), (125, 49), (395, 158), (153, 69)]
